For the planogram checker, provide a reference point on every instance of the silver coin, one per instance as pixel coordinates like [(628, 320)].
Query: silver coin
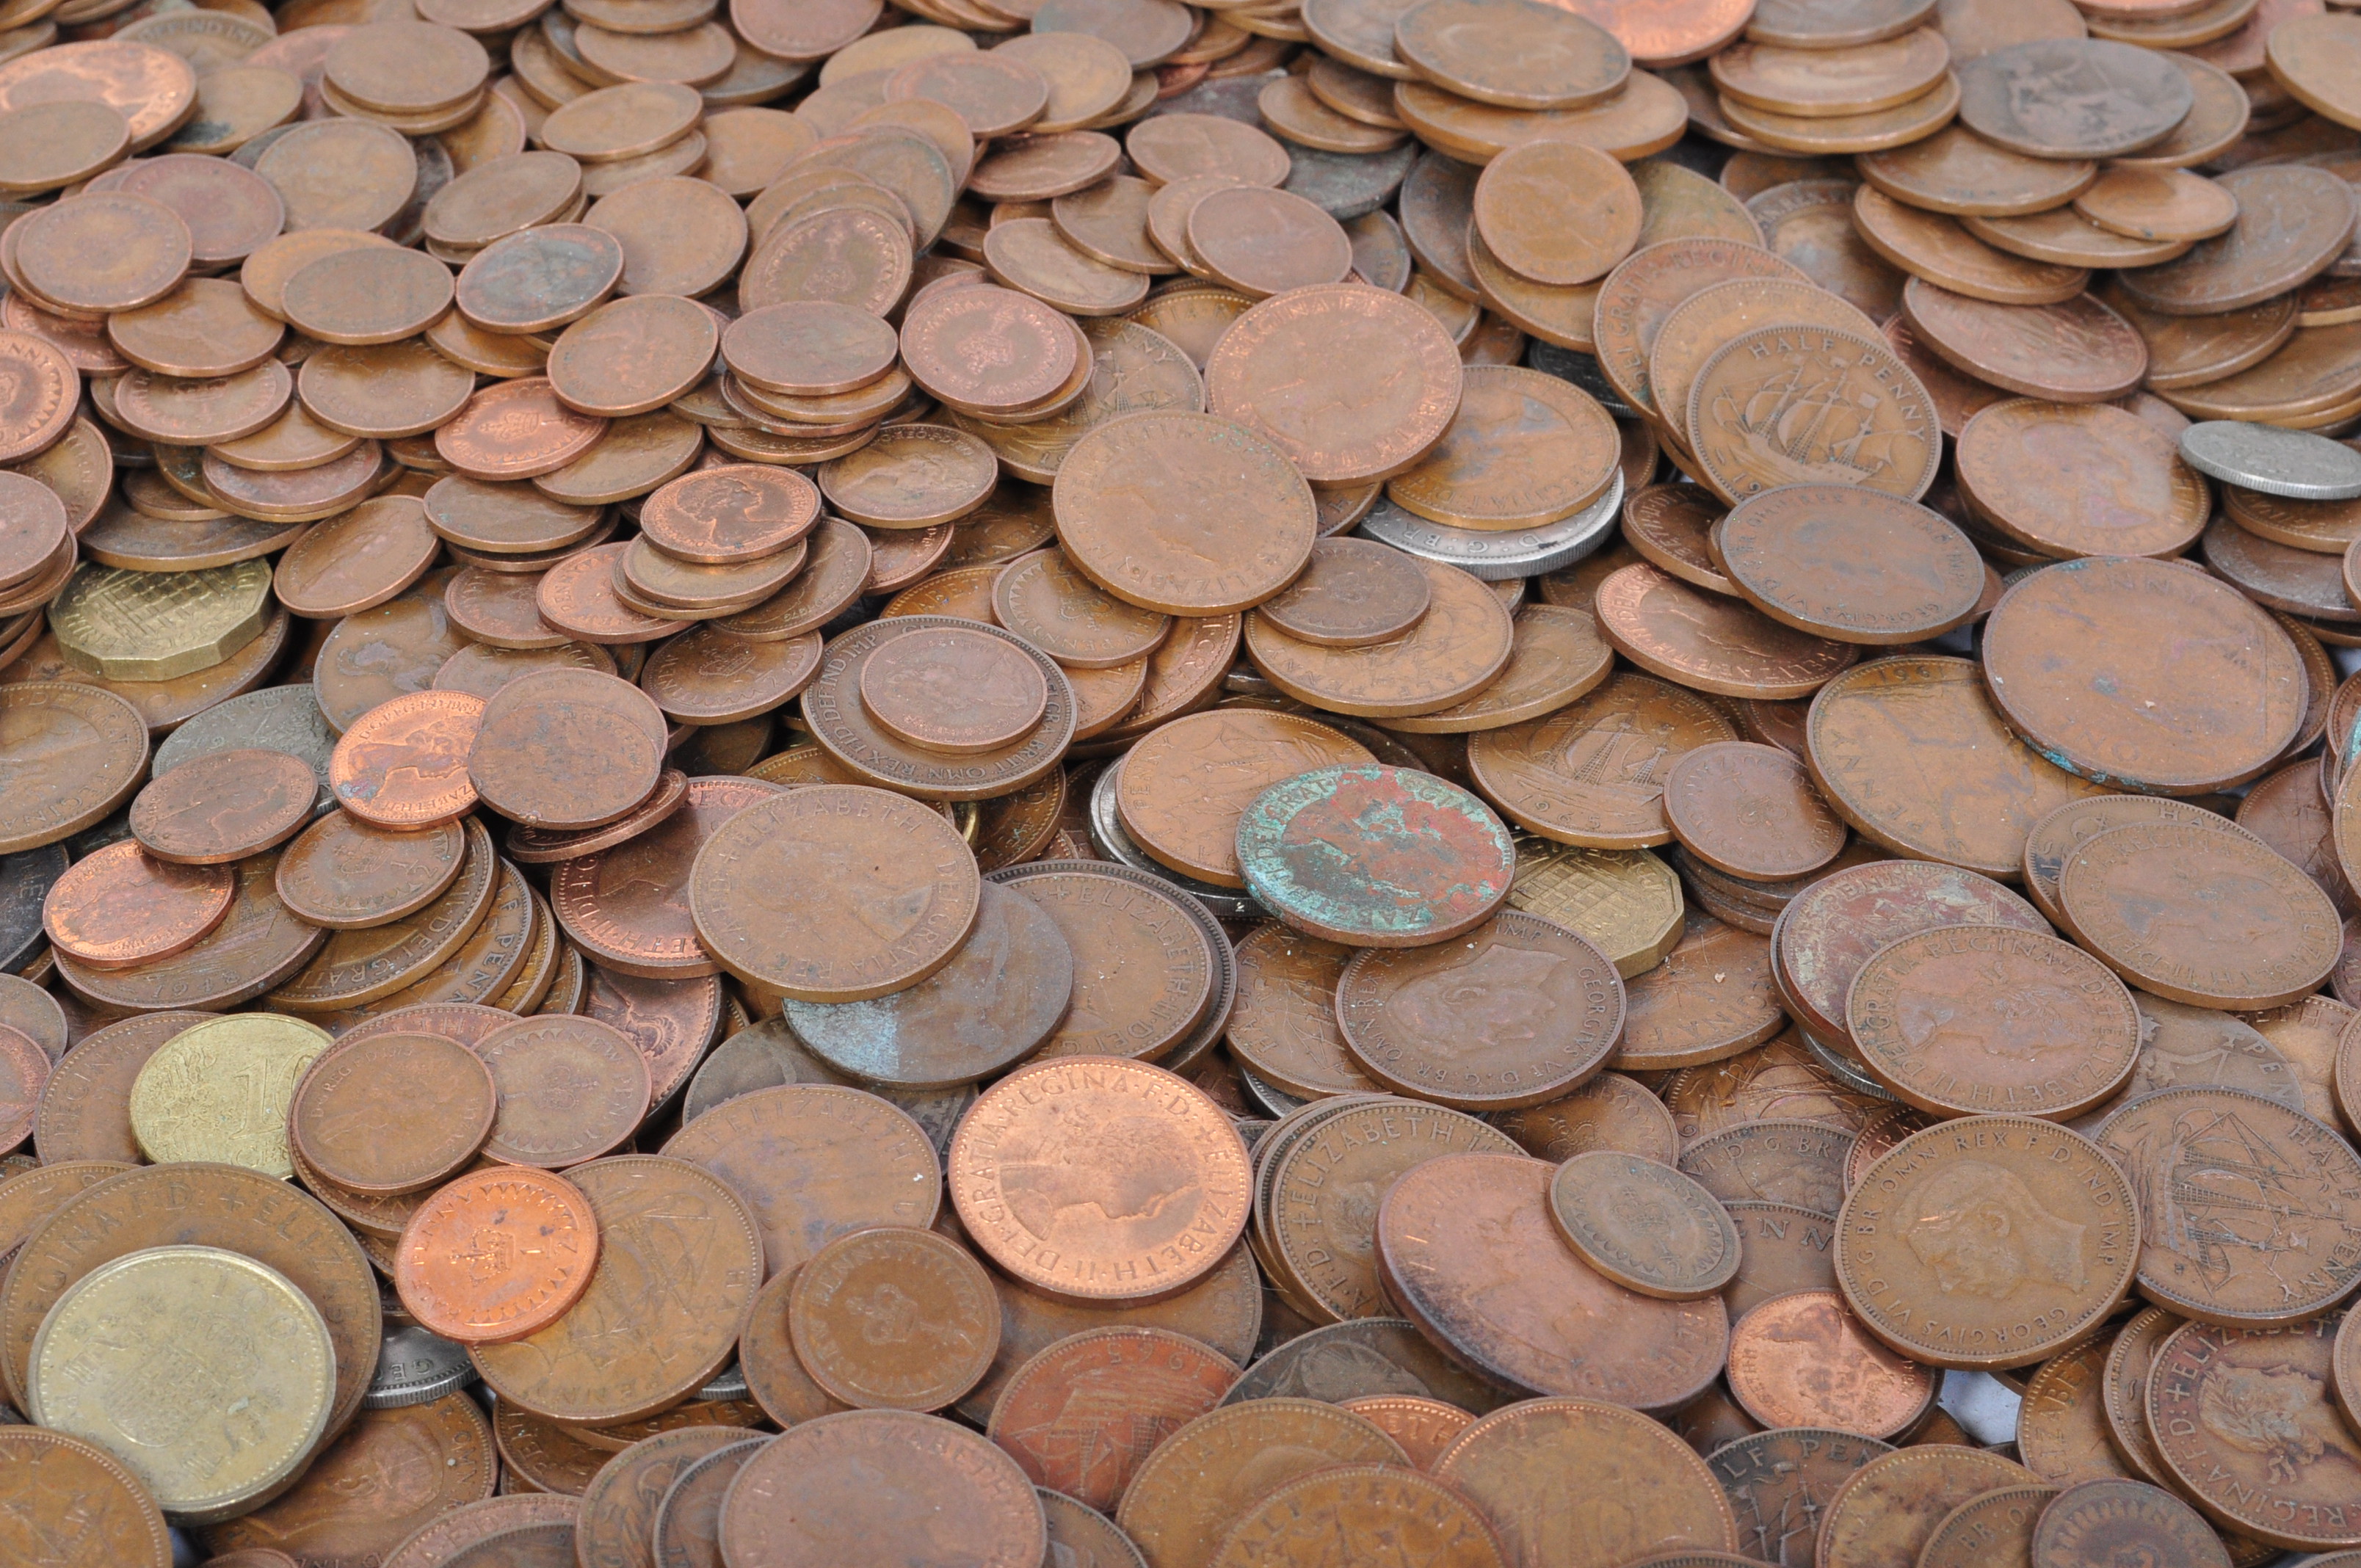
[(1275, 1100), (1347, 185), (1108, 834), (2296, 464), (1512, 552), (729, 1383), (415, 1367), (276, 718), (1846, 1070)]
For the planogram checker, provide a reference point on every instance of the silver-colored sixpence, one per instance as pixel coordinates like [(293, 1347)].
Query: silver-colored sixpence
[(416, 1367), (2292, 462), (1498, 556)]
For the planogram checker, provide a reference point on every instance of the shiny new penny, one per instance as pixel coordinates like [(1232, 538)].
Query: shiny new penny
[(1375, 856), (1465, 1246), (567, 750), (1035, 1125), (2068, 1254), (738, 511), (1513, 1013), (404, 762), (1644, 1225), (2029, 1025), (495, 1254), (832, 1308), (392, 1112), (1849, 563), (344, 874), (1751, 810), (2244, 1487), (121, 907), (1142, 1383), (1804, 1360)]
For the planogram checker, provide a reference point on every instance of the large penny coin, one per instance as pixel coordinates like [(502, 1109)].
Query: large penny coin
[(2258, 1488), (1361, 1511), (58, 1488), (1870, 420), (79, 752), (1849, 563), (392, 1112), (1082, 1416), (1593, 772), (780, 892), (870, 1485), (1993, 1240), (1515, 1013), (1202, 1480), (2072, 98), (1465, 1246), (2109, 485), (1040, 1169), (1779, 1483), (1184, 788), (1145, 972), (567, 750)]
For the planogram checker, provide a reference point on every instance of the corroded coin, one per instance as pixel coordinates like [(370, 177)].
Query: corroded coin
[(2071, 1243), (1523, 451), (1375, 855)]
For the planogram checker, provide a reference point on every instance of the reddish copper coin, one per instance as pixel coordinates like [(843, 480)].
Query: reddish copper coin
[(1804, 1360), (392, 1112), (738, 511), (571, 1089), (1855, 565), (1080, 1416), (404, 762), (953, 691), (344, 874), (627, 906), (568, 750), (516, 429), (224, 806), (497, 1255), (1751, 811), (121, 907)]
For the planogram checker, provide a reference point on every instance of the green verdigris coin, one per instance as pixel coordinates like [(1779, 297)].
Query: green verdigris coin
[(1375, 857)]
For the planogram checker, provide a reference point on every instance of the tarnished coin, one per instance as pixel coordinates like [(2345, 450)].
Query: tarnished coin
[(570, 1090), (224, 806), (567, 750), (1365, 882), (2289, 1504), (1197, 1483), (1460, 1237), (835, 1295), (1353, 592), (1644, 1225), (1802, 1359), (1359, 1510), (1779, 1483), (1148, 1381), (1184, 789), (1886, 1512), (219, 1091), (1850, 563), (2115, 487), (392, 1112), (2124, 1517), (1886, 437), (2121, 98), (1750, 810), (1429, 1020), (2294, 464), (2071, 1242), (811, 1496), (1524, 450), (1665, 1499), (344, 874), (735, 512)]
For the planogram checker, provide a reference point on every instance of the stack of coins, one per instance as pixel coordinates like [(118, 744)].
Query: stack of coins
[(1138, 783)]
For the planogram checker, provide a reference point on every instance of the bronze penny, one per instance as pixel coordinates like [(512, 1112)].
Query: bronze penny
[(1709, 998), (1886, 1512), (1524, 450), (255, 947), (704, 678), (844, 724), (1184, 787), (122, 907), (1543, 775), (2299, 582), (1666, 1499), (1127, 1388), (1610, 1111), (627, 906), (2115, 487), (1456, 651), (540, 279), (344, 874), (1641, 293), (1283, 1026), (438, 1117), (2072, 1048), (677, 1338), (1144, 973), (515, 430), (2121, 1517), (1207, 1475), (567, 750), (618, 1509), (540, 1454), (740, 511), (472, 1523), (1464, 1052), (1469, 1229), (1782, 1250), (836, 1293), (403, 763), (1644, 1225), (1354, 592), (1779, 1485), (84, 1114), (1941, 251), (2266, 680), (367, 296), (1880, 770), (1750, 810), (2240, 1489), (2061, 1427), (1360, 1509), (1043, 599), (953, 691), (686, 1525), (502, 520), (1700, 324), (1756, 381), (1802, 1359), (224, 806), (356, 561), (362, 966), (1998, 1525), (1850, 564), (1006, 991), (810, 1497), (1671, 629), (110, 251), (2286, 233), (63, 1489), (2128, 1360), (537, 1241), (570, 1090), (578, 595)]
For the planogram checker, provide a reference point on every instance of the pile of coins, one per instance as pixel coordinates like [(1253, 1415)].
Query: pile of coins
[(1471, 783)]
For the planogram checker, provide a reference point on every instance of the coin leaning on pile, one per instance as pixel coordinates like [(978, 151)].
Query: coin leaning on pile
[(1190, 786)]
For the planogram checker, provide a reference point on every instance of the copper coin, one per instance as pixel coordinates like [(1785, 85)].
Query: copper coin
[(403, 763), (1783, 1080), (1556, 211), (1360, 1509), (540, 279), (1848, 563), (2123, 1517), (619, 1510), (2061, 1427), (679, 1338), (810, 1498), (1141, 1383), (121, 907), (1469, 1229), (626, 905), (1886, 1510), (579, 595), (343, 873), (1800, 1164), (1145, 973), (2075, 1249), (515, 430), (1377, 896), (1779, 1483), (1644, 1225), (2077, 1043), (2111, 901), (64, 1490), (392, 1112), (987, 348), (1042, 598), (1203, 1480), (995, 1152), (1185, 788), (1672, 629), (1283, 1026), (497, 1255), (367, 296), (1354, 592), (567, 750), (105, 252), (953, 691), (1468, 1052), (1750, 810), (1388, 376), (1804, 1360), (1524, 450), (256, 946), (1666, 1498), (1992, 786), (2118, 488), (2240, 1489), (2281, 238), (835, 1294), (1700, 324), (737, 512), (224, 806), (1756, 381)]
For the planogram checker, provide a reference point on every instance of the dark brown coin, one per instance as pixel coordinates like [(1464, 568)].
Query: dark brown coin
[(1354, 592), (686, 1526), (1779, 1482), (671, 1296), (625, 906), (1119, 1390), (571, 1089), (85, 1110), (1511, 1014), (1610, 1111), (2243, 1485), (1751, 810), (2120, 1519), (1664, 1499), (224, 806), (1461, 1237), (392, 1112), (616, 1523), (2285, 233), (1800, 1164), (344, 874), (1703, 641), (66, 1495), (854, 1307)]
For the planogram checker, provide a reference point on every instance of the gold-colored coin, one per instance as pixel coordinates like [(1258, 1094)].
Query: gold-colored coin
[(219, 1091), (1626, 901), (154, 626), (208, 1373)]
